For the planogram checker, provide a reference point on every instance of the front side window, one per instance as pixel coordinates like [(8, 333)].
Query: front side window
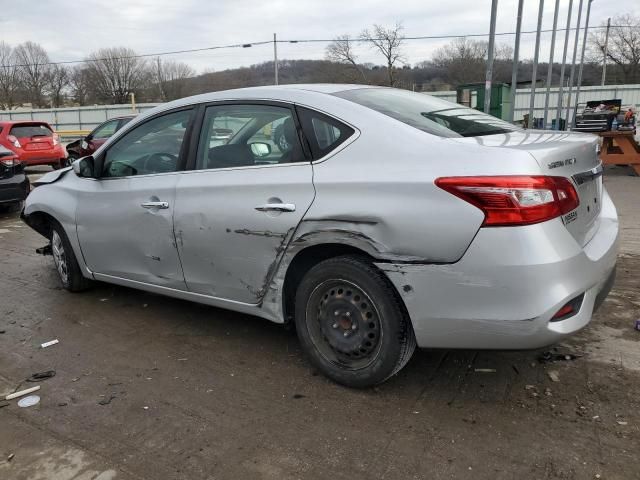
[(248, 135), (105, 130), (428, 113), (152, 147)]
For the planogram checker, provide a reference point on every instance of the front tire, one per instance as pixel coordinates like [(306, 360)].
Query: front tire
[(65, 261), (351, 322)]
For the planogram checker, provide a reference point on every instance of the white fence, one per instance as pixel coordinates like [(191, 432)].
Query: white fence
[(86, 118), (74, 118), (630, 95)]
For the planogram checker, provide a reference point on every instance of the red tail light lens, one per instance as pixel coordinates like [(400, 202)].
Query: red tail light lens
[(514, 200)]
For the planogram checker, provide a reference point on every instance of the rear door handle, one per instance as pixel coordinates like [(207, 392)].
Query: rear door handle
[(276, 207), (160, 205)]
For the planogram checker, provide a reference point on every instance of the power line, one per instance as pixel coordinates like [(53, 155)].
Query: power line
[(306, 40)]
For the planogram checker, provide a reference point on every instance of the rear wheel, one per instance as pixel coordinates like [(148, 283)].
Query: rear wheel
[(351, 322), (65, 261)]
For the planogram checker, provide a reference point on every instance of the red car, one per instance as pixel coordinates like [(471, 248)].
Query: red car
[(34, 143)]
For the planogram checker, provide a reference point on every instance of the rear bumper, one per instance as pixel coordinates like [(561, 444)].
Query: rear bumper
[(504, 291), (42, 157), (14, 189)]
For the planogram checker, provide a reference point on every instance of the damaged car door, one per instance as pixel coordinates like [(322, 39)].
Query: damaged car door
[(238, 207), (125, 216)]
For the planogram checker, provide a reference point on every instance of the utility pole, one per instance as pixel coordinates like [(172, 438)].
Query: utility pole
[(492, 39), (516, 60), (584, 44), (275, 59), (550, 69), (606, 50), (534, 74), (573, 64), (564, 62)]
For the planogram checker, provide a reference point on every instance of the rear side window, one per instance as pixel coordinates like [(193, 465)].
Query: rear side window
[(323, 132), (30, 130)]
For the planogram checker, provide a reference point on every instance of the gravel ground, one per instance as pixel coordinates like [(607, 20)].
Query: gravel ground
[(148, 387)]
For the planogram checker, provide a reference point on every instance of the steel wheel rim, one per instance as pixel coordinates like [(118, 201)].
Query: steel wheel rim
[(59, 257), (344, 324)]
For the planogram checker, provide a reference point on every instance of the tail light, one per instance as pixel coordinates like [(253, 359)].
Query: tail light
[(14, 140), (514, 200), (56, 139)]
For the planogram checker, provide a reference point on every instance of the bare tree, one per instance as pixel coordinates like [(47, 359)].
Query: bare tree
[(116, 73), (33, 63), (57, 81), (171, 78), (341, 51), (9, 76), (389, 42), (80, 83), (462, 59), (623, 48)]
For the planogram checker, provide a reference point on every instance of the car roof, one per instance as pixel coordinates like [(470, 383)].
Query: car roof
[(11, 123), (318, 92)]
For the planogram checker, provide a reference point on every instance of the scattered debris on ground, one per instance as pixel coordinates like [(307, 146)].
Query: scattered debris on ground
[(553, 375), (22, 393), (29, 401), (48, 344), (550, 357), (38, 377)]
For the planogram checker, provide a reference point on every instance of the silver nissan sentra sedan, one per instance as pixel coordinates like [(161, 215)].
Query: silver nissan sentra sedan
[(374, 219)]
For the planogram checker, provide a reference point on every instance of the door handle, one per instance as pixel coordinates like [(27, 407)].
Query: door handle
[(159, 205), (276, 207)]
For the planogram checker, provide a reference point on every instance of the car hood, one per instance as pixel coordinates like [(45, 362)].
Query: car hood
[(52, 177)]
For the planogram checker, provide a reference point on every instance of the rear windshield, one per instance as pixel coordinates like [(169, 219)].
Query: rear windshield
[(31, 130), (428, 113)]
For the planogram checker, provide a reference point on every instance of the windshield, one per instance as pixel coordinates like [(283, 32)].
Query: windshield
[(428, 113)]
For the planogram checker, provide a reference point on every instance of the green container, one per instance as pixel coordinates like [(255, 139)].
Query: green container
[(472, 95)]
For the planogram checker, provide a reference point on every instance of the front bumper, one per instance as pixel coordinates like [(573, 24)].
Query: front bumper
[(504, 291)]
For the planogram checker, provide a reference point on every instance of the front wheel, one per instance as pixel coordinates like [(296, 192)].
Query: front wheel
[(65, 261), (351, 322)]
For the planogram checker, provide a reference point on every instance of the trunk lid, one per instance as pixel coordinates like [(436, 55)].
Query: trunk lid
[(562, 154)]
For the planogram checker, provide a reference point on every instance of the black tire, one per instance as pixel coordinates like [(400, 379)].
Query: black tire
[(351, 322), (65, 261)]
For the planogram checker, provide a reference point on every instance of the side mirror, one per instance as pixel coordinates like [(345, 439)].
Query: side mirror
[(85, 167), (260, 149)]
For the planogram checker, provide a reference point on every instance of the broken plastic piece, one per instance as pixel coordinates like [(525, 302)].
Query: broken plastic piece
[(48, 344), (29, 401), (548, 357), (22, 392), (553, 375), (36, 377), (485, 370), (46, 250)]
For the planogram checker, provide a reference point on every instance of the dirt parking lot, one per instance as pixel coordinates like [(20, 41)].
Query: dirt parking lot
[(148, 387)]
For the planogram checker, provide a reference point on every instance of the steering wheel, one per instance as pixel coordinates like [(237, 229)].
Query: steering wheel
[(160, 162)]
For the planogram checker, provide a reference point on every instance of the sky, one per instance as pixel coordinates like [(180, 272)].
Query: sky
[(70, 30)]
